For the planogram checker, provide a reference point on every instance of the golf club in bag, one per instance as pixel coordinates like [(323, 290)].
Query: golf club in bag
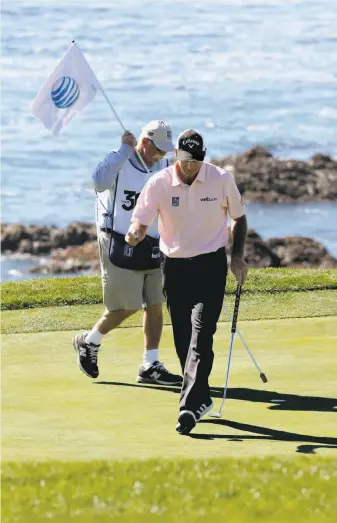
[(233, 330)]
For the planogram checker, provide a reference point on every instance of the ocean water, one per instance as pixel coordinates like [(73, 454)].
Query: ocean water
[(241, 72)]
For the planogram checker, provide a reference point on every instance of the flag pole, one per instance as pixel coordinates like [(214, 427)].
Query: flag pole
[(112, 109), (122, 126), (119, 120)]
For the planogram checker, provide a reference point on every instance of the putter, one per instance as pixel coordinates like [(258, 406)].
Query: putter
[(262, 375), (234, 320)]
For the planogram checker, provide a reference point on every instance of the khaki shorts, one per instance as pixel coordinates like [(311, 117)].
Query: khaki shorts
[(126, 289)]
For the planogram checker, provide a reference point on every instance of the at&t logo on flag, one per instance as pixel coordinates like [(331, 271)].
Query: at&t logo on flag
[(65, 92)]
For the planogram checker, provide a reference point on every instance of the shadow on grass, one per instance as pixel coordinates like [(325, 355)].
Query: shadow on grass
[(310, 449), (282, 402), (267, 434), (278, 401)]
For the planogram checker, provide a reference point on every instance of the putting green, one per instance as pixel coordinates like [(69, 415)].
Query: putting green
[(51, 411)]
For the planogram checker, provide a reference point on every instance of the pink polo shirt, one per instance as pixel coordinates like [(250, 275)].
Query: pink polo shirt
[(192, 218)]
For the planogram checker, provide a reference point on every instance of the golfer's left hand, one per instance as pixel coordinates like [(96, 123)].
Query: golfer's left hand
[(239, 268)]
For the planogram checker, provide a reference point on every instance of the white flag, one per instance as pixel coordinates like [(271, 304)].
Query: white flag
[(66, 92)]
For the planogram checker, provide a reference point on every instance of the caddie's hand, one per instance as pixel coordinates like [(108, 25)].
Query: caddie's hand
[(129, 139), (132, 238), (239, 268)]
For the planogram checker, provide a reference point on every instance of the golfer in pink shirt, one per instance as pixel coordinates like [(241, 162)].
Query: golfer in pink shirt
[(193, 200)]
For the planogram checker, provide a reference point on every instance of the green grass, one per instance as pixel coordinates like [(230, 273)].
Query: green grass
[(87, 290), (218, 490), (75, 449), (252, 307), (51, 411), (81, 450)]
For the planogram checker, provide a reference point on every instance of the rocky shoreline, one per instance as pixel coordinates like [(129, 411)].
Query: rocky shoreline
[(260, 177), (73, 249), (265, 178)]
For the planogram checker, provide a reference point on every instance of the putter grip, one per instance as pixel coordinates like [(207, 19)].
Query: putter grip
[(236, 307)]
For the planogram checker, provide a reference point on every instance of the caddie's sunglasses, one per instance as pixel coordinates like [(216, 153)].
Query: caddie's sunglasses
[(159, 150)]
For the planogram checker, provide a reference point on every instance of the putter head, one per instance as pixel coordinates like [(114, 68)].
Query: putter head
[(263, 377), (215, 414)]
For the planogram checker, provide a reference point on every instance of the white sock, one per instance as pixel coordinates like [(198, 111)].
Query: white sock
[(94, 337), (149, 357)]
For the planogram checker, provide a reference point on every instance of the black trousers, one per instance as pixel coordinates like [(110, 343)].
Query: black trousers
[(194, 289)]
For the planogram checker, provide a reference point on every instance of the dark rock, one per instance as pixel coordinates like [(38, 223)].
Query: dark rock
[(257, 152), (25, 247), (88, 252), (321, 161), (69, 266), (42, 239), (11, 236), (77, 233), (41, 247), (269, 179), (258, 254), (301, 252), (83, 255), (71, 260)]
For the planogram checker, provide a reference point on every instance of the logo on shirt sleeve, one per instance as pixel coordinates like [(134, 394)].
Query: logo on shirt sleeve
[(175, 201)]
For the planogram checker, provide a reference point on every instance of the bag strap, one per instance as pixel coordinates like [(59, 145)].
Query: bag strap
[(108, 214)]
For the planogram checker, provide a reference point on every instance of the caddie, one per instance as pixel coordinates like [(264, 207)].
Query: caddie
[(131, 278)]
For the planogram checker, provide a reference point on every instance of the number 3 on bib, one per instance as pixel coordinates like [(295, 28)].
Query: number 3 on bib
[(130, 201)]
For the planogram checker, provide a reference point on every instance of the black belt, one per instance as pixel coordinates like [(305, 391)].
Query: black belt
[(218, 252), (106, 229)]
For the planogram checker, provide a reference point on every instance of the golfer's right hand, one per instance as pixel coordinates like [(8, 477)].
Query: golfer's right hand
[(239, 268), (132, 238), (129, 139)]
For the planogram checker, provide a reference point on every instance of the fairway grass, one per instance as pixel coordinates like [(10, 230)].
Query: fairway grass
[(77, 450), (307, 304), (223, 490), (51, 411), (81, 290)]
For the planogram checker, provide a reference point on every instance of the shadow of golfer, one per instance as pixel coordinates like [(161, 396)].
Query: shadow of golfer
[(281, 401), (265, 433), (278, 401)]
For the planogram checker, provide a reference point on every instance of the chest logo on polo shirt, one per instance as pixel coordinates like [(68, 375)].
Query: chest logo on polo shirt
[(208, 199), (175, 201)]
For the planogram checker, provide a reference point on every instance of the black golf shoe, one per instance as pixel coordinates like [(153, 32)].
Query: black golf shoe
[(188, 419), (203, 409), (157, 374), (86, 355), (186, 422)]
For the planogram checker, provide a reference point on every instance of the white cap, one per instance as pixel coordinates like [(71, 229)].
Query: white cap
[(160, 133)]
